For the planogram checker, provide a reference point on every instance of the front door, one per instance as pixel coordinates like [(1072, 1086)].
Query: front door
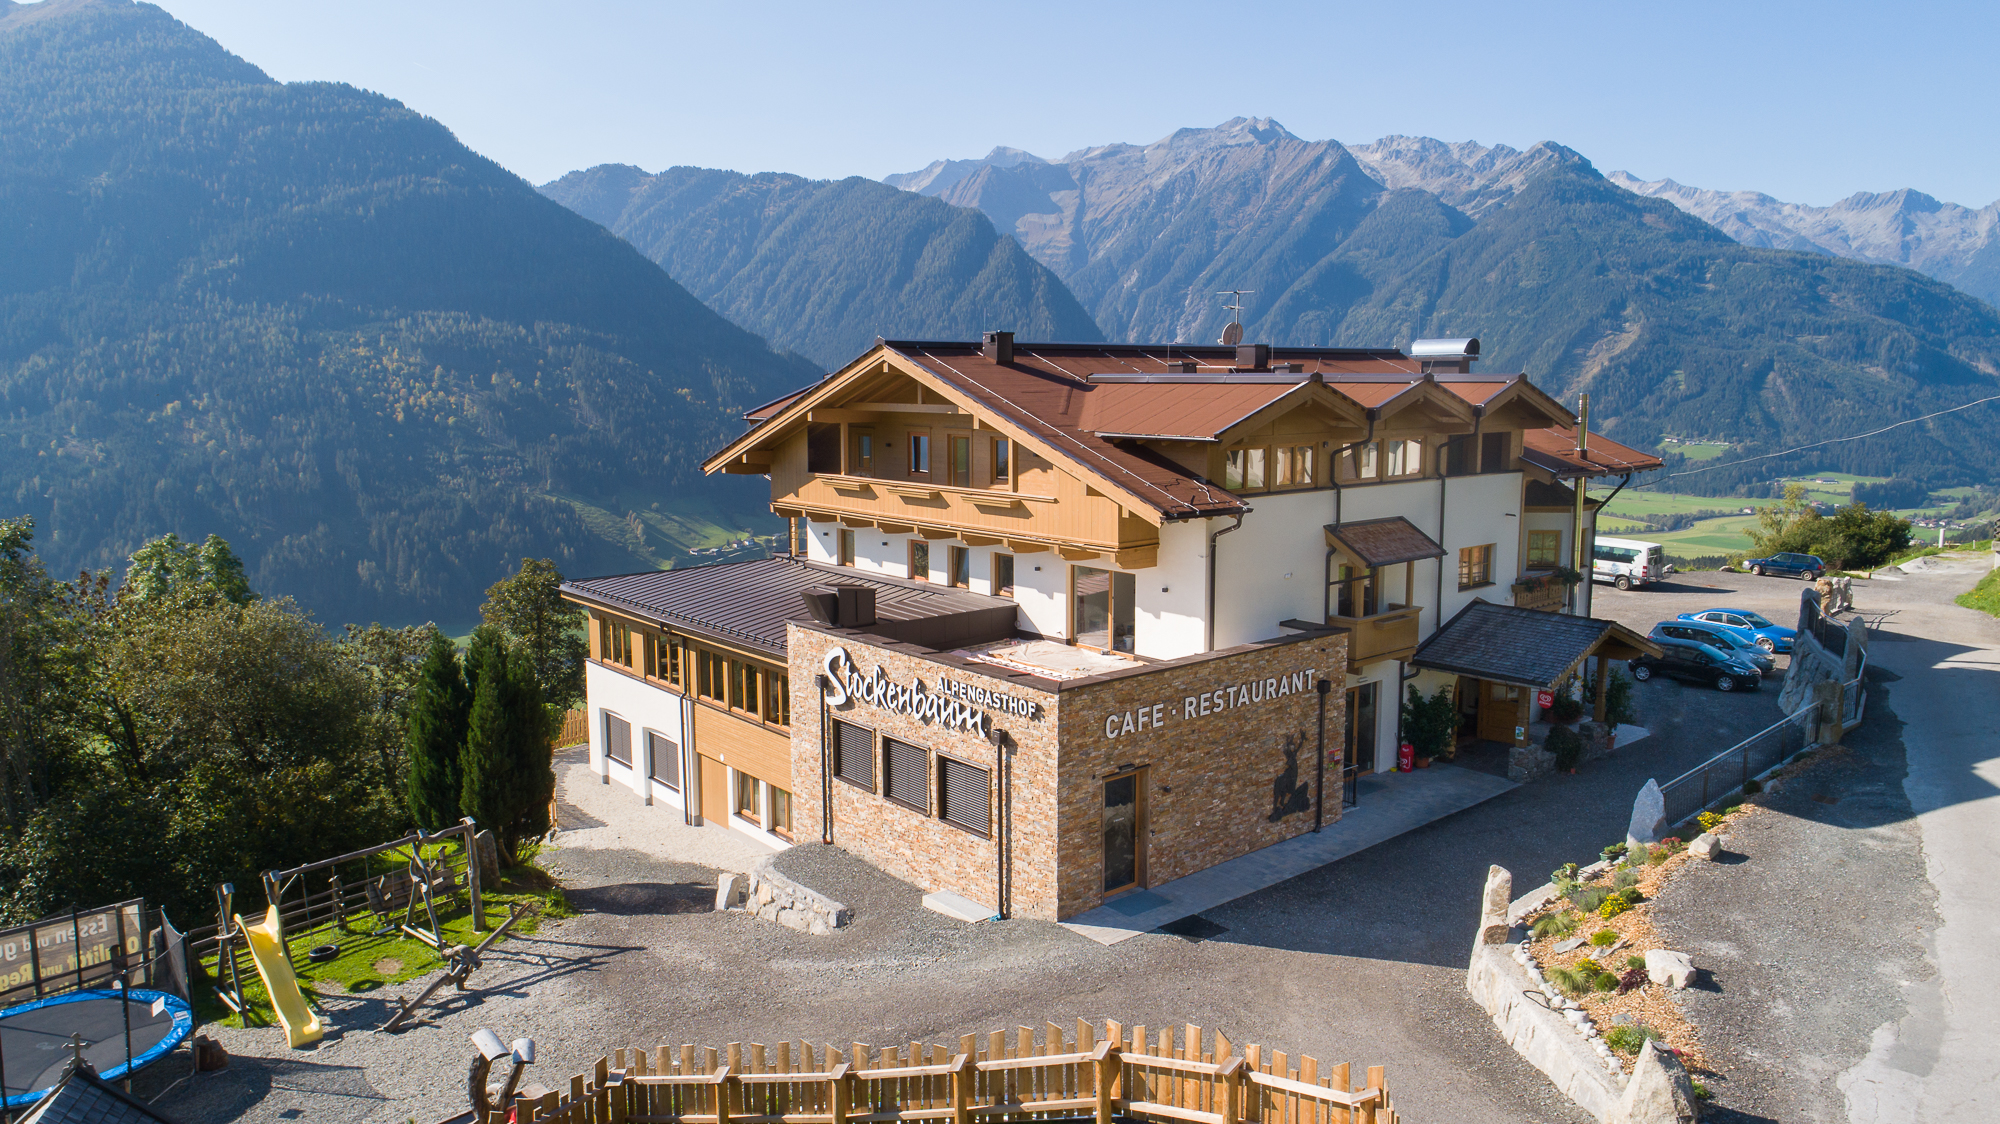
[(1363, 722), (1499, 711), (1124, 833), (714, 789)]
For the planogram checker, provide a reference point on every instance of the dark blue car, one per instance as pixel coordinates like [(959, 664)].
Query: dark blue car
[(1788, 565)]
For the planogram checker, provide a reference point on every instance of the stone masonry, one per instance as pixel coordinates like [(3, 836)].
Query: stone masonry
[(1224, 745), (774, 897)]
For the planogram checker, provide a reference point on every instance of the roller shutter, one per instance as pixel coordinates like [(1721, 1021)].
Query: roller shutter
[(905, 778), (666, 760), (854, 754), (618, 740), (964, 795)]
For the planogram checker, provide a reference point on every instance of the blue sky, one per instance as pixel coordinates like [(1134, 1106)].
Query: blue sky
[(1807, 102)]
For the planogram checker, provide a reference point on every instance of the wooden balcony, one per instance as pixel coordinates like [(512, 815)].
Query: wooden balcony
[(1539, 593), (1388, 635), (1080, 527)]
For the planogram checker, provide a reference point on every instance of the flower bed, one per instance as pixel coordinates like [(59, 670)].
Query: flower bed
[(1602, 983)]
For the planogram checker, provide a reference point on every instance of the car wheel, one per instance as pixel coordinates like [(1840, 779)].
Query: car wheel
[(1757, 570), (1809, 576), (1725, 683), (1641, 672), (1765, 643), (1622, 582)]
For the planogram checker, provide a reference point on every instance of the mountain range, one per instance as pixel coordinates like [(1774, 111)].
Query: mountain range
[(1675, 326), (308, 319), (823, 267)]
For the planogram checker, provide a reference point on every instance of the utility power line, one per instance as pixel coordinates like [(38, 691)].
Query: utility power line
[(1817, 444)]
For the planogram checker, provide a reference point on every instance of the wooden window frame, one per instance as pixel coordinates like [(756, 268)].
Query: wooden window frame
[(1001, 462), (1554, 557), (862, 454), (954, 441), (1475, 567), (777, 688), (918, 573), (1111, 605), (755, 783), (1238, 480), (958, 567), (782, 831), (843, 547), (915, 439), (1400, 446), (993, 567)]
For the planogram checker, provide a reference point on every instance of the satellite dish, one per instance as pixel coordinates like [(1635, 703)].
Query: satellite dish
[(1232, 335)]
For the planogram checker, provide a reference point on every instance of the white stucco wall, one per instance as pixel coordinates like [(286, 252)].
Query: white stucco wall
[(1479, 510), (1171, 597), (647, 708)]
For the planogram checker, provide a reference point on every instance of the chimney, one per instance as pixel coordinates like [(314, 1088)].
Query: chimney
[(1253, 356), (1446, 357), (997, 346), (857, 602)]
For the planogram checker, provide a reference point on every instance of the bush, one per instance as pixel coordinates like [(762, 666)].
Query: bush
[(1605, 981), (1625, 879), (1588, 898), (1603, 937), (1634, 976), (1630, 1039), (1564, 879), (1612, 853), (1567, 745), (1569, 981), (1709, 820), (1431, 725), (1635, 961), (1752, 787), (1557, 925), (1612, 907), (1566, 709)]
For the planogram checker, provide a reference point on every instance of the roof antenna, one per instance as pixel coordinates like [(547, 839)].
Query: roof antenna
[(1232, 333)]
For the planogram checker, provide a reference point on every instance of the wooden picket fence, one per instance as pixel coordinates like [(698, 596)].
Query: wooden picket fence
[(575, 729), (1118, 1074)]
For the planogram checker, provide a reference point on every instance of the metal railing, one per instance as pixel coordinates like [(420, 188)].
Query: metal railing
[(1727, 771)]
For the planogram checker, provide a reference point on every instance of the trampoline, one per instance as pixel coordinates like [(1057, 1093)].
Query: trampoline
[(35, 1037)]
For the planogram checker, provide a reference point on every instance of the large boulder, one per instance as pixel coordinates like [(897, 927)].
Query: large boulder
[(1649, 818), (1658, 1092), (1705, 846), (1675, 969), (1493, 905)]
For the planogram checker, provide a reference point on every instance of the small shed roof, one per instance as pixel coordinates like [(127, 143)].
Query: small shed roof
[(82, 1097), (1383, 542), (1525, 647)]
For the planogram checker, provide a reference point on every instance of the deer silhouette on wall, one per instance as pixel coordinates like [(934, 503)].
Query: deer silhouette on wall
[(1289, 794)]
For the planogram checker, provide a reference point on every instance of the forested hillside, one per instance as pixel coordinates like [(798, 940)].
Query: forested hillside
[(308, 319), (823, 267)]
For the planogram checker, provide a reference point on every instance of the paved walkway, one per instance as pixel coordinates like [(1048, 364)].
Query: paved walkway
[(1389, 804)]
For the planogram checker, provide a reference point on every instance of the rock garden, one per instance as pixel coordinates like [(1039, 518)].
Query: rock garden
[(1592, 949)]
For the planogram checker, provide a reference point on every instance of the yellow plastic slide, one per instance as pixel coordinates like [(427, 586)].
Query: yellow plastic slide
[(267, 948)]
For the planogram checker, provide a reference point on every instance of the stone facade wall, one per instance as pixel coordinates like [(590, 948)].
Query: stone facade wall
[(1218, 785), (1527, 762), (774, 897), (915, 846)]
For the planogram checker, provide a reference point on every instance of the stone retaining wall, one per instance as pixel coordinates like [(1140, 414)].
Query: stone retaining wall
[(774, 897), (1526, 762)]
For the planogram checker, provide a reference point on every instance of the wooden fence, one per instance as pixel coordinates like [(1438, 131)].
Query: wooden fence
[(575, 729), (1118, 1073)]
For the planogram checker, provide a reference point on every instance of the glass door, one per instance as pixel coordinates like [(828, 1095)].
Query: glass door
[(1124, 829), (1103, 608)]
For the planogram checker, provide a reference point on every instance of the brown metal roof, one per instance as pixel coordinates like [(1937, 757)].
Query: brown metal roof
[(1384, 542), (1525, 647), (748, 603), (1195, 412), (1554, 449)]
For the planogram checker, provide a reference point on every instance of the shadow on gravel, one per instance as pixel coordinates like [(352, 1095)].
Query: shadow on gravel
[(639, 899), (239, 1091)]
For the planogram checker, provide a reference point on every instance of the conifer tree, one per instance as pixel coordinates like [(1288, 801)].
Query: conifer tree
[(488, 785), (434, 737)]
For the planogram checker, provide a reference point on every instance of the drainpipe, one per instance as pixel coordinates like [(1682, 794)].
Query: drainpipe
[(825, 766), (1000, 739), (1333, 478), (1582, 599), (1208, 639), (1325, 687)]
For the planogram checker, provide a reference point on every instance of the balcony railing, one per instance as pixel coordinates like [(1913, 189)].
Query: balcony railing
[(1389, 634)]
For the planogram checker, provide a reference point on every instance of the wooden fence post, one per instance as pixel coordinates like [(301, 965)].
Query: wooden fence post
[(961, 1089), (1232, 1090), (724, 1080), (839, 1091), (1104, 1060), (1375, 1086)]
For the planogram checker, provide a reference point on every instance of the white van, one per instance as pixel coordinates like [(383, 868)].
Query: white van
[(1628, 562)]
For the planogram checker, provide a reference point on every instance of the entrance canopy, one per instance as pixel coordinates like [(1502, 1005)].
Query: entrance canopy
[(1525, 647), (1383, 542)]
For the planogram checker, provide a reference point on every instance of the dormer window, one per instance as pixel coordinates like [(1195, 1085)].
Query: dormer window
[(1244, 471)]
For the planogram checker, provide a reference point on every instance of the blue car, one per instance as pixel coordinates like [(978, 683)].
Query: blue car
[(1729, 641), (1788, 565), (1768, 636)]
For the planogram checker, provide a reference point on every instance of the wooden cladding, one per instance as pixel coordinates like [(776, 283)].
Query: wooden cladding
[(742, 745), (751, 688), (1177, 1075)]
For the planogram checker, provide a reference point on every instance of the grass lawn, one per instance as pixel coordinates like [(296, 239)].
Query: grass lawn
[(1985, 596), (1700, 451), (367, 962)]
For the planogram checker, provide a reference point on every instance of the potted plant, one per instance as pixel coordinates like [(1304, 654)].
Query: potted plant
[(1431, 725)]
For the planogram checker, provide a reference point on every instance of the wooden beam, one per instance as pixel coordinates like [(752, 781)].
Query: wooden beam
[(936, 533), (1077, 553), (788, 512), (1024, 546), (980, 540), (889, 528), (905, 407), (856, 521), (1138, 557)]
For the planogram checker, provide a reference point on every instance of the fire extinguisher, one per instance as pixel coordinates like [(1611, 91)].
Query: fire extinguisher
[(1406, 757)]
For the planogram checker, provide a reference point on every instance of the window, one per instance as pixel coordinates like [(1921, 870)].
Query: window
[(920, 454), (674, 653), (1295, 466), (958, 460), (750, 798), (711, 676), (1003, 574), (958, 567), (649, 654), (823, 449), (614, 641), (1356, 592), (1103, 608), (845, 551), (863, 456), (1244, 470), (1404, 458), (1475, 566), (904, 776), (854, 754), (1000, 458), (1361, 461), (781, 812), (618, 740), (964, 795), (778, 698), (801, 534), (1544, 550), (666, 759), (743, 686), (920, 560)]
